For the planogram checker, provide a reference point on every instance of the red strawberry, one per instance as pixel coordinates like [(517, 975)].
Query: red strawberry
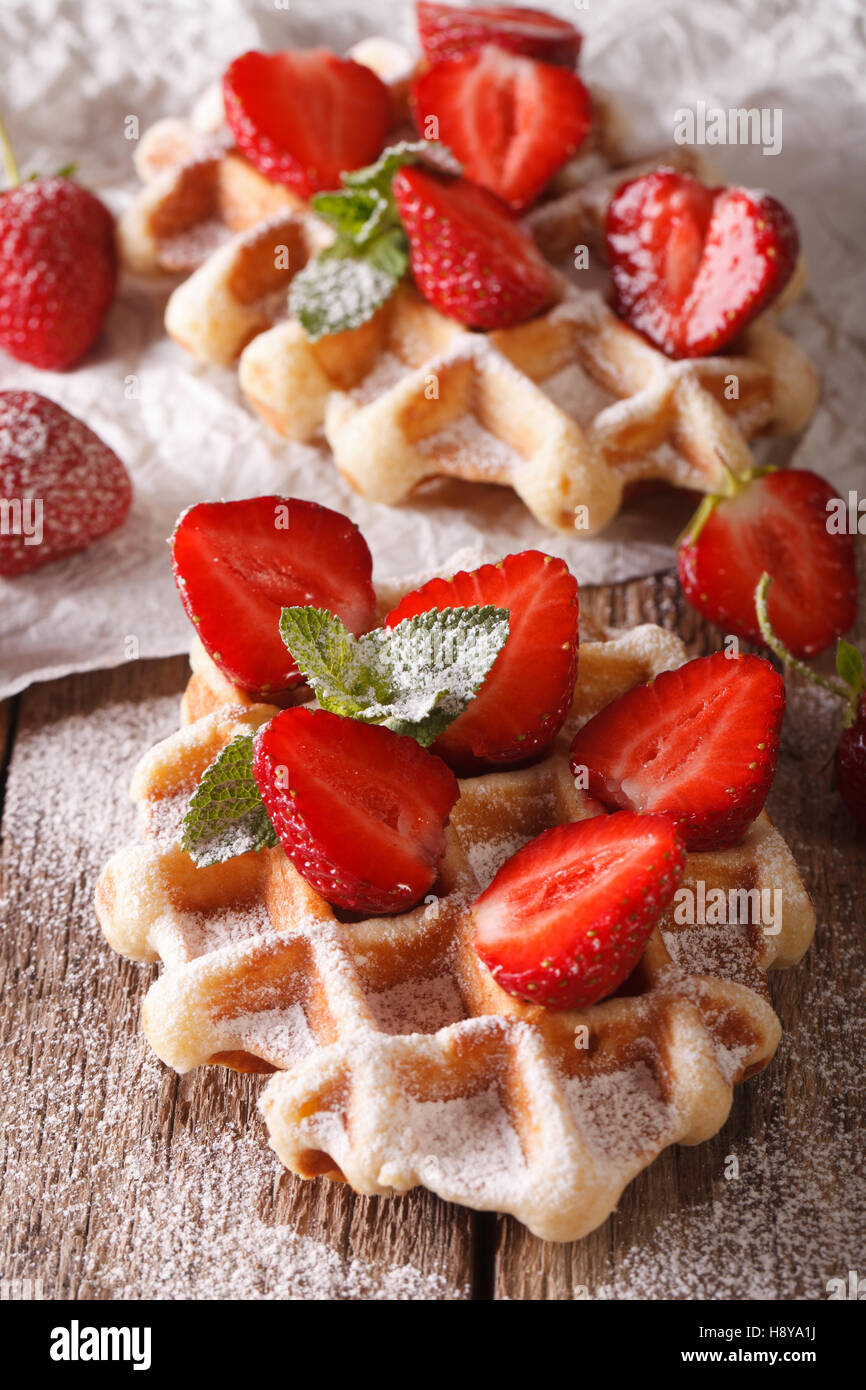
[(775, 522), (58, 271), (511, 121), (238, 564), (692, 266), (699, 744), (359, 810), (303, 117), (850, 760), (470, 257), (567, 918), (446, 32), (851, 764), (60, 486), (522, 704)]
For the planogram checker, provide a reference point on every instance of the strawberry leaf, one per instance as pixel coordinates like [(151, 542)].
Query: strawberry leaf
[(226, 815), (415, 678)]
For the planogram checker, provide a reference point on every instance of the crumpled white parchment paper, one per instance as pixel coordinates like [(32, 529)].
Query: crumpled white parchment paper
[(73, 70)]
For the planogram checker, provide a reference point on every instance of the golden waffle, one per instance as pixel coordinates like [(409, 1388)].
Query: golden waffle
[(239, 290), (397, 1059), (568, 409), (198, 190)]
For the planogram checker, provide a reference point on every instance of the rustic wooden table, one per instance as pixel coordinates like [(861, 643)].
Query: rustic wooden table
[(121, 1179)]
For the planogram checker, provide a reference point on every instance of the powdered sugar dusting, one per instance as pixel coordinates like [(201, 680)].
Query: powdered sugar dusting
[(472, 1144), (52, 459), (417, 1006), (620, 1113), (473, 451), (276, 1033), (387, 372)]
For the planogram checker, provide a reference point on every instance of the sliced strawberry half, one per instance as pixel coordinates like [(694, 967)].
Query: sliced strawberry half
[(511, 121), (778, 523), (359, 810), (699, 744), (238, 564), (303, 117), (470, 257), (449, 32), (522, 704), (693, 266), (567, 918)]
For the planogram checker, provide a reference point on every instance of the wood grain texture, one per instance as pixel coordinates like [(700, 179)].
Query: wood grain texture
[(122, 1180)]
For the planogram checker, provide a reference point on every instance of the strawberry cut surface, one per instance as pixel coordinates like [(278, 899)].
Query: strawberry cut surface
[(778, 523), (523, 702), (470, 257), (359, 810), (238, 564), (447, 31), (699, 743), (53, 467), (303, 117), (566, 919), (693, 266), (511, 121)]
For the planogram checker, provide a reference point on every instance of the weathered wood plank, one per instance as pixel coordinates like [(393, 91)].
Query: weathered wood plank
[(119, 1178)]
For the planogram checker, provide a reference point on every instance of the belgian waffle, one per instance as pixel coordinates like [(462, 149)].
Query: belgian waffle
[(571, 411), (396, 1059), (568, 409)]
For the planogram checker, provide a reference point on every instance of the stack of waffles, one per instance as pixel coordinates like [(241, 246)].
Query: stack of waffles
[(395, 1058), (572, 410)]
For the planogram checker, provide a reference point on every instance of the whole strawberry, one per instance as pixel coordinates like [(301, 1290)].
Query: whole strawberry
[(60, 486), (58, 269), (851, 763), (775, 521)]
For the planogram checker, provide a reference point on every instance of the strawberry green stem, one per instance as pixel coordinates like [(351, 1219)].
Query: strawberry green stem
[(777, 645), (13, 176)]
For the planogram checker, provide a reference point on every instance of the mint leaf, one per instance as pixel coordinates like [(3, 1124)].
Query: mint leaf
[(849, 665), (415, 678), (356, 216), (345, 284), (389, 253), (342, 669), (331, 295), (226, 815)]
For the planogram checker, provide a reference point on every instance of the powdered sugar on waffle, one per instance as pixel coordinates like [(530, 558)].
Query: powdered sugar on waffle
[(471, 1143), (417, 1006), (477, 452), (620, 1112)]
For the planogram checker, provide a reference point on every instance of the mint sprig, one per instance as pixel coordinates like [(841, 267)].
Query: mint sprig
[(226, 815), (415, 678), (349, 280)]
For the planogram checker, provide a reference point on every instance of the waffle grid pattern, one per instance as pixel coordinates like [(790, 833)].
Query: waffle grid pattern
[(396, 1058)]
